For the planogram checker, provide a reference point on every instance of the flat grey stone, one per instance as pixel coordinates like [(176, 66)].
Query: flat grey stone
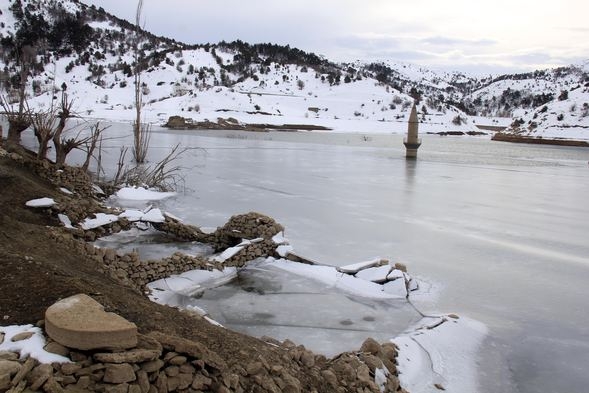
[(80, 322)]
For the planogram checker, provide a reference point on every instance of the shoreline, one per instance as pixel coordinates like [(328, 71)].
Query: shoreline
[(501, 137), (78, 249)]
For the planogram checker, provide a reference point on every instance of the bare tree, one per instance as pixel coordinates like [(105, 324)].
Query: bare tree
[(18, 118), (63, 146), (91, 142), (43, 123), (141, 131)]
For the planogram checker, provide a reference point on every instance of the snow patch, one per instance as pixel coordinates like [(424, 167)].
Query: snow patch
[(142, 194), (32, 346), (284, 249), (41, 202), (100, 220), (440, 351), (342, 281), (65, 220)]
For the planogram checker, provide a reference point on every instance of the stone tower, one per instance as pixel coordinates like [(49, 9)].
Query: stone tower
[(412, 142)]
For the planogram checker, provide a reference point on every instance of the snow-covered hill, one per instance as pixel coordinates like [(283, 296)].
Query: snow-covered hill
[(91, 52)]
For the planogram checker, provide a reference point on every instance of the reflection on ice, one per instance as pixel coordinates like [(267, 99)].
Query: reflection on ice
[(264, 299)]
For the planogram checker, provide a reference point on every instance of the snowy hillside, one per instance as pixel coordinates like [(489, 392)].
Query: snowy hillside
[(91, 53)]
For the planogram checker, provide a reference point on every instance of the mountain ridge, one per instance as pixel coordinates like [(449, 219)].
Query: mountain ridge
[(91, 51)]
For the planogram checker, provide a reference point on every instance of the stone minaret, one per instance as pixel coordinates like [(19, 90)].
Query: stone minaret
[(412, 142)]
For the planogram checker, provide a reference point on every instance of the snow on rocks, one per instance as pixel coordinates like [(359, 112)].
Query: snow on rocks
[(152, 215), (232, 251), (440, 354), (356, 267), (389, 281), (41, 202), (133, 215), (155, 360), (279, 239), (229, 253), (65, 221), (378, 274), (332, 278), (28, 341), (142, 194), (284, 249), (100, 219)]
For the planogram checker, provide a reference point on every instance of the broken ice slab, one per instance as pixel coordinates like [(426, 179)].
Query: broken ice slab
[(378, 274), (356, 267), (395, 274)]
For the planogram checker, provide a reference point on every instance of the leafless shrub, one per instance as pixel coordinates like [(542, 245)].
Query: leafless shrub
[(163, 175), (18, 120), (141, 132)]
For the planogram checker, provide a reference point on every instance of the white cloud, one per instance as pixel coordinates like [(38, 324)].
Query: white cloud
[(456, 34)]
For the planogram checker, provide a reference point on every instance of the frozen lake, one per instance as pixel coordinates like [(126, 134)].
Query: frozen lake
[(499, 230)]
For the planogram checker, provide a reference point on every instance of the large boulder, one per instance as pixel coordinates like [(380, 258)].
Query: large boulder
[(80, 322)]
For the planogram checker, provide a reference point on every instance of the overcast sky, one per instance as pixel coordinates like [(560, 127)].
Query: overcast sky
[(466, 35)]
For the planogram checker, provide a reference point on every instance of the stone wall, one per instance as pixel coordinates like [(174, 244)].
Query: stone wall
[(128, 269), (162, 363)]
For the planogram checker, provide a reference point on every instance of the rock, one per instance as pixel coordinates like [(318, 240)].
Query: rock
[(51, 386), (20, 387), (372, 362), (200, 382), (190, 348), (9, 367), (119, 373), (39, 376), (21, 336), (5, 355), (173, 383), (4, 382), (152, 366), (176, 122), (23, 371), (172, 371), (80, 322), (70, 368), (389, 351), (371, 346), (83, 383), (178, 360), (254, 368), (57, 348), (120, 388), (134, 389), (307, 359), (401, 266), (143, 381), (184, 381), (145, 342), (132, 356), (161, 383), (330, 377)]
